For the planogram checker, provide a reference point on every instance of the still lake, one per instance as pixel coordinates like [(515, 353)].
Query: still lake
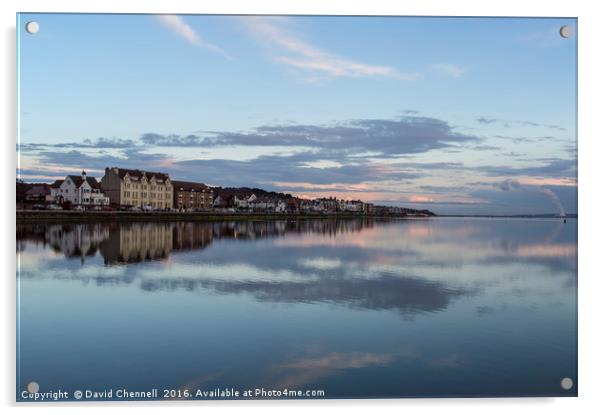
[(356, 308)]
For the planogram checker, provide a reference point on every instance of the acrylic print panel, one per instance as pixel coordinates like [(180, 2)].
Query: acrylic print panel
[(288, 207)]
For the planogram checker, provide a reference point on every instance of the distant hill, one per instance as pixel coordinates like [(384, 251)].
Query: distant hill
[(402, 210), (228, 191), (218, 191)]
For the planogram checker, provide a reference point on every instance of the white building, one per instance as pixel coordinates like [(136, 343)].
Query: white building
[(79, 190), (263, 204), (281, 206), (55, 190), (351, 205), (243, 201)]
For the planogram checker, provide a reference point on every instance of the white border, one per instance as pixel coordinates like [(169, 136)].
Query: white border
[(590, 70)]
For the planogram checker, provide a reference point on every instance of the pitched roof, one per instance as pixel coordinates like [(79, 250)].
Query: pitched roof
[(41, 188), (223, 195), (57, 184), (137, 174), (189, 186), (77, 180)]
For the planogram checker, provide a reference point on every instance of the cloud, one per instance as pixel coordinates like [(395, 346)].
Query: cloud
[(265, 171), (174, 140), (519, 123), (486, 148), (515, 196), (552, 168), (515, 140), (103, 142), (405, 295), (324, 155), (450, 69), (99, 143), (130, 158), (513, 185), (304, 56), (274, 172), (386, 161), (345, 159), (185, 31), (380, 137), (484, 120)]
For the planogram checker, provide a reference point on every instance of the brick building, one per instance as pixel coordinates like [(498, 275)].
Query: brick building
[(192, 196)]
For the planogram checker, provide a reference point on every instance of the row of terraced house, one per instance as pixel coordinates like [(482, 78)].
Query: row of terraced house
[(244, 200), (144, 190), (131, 188)]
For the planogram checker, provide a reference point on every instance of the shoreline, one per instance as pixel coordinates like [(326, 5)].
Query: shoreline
[(70, 216), (44, 216)]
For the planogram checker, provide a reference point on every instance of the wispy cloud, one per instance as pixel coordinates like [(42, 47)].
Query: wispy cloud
[(184, 30), (485, 120), (304, 56), (450, 69), (100, 143), (553, 167), (519, 123)]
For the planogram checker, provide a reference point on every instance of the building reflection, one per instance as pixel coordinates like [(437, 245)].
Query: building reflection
[(138, 242), (73, 240)]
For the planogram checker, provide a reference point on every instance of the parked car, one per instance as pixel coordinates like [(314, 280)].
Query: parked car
[(38, 207), (106, 209), (79, 208), (54, 207)]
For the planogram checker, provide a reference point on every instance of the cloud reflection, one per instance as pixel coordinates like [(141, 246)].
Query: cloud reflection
[(407, 267)]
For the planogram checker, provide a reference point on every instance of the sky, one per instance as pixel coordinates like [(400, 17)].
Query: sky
[(455, 115)]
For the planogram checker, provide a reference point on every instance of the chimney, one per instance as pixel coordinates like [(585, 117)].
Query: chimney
[(84, 175)]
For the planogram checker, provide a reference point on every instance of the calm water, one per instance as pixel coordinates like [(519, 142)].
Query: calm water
[(357, 308)]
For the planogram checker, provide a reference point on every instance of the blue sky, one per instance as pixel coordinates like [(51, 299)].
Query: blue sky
[(458, 115)]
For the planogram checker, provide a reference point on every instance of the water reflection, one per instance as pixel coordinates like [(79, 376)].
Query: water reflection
[(359, 307), (137, 242), (410, 267)]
